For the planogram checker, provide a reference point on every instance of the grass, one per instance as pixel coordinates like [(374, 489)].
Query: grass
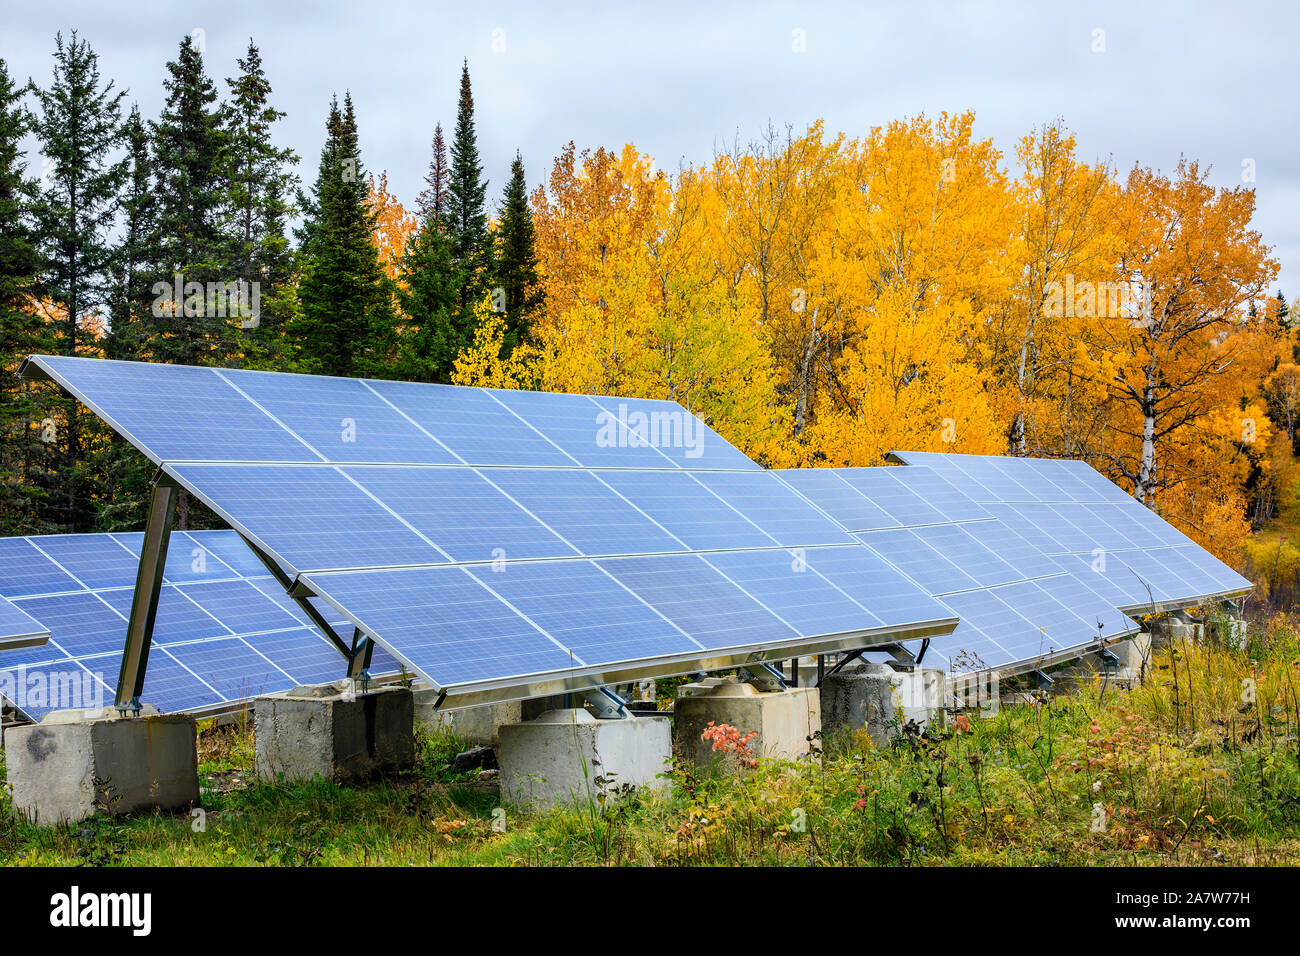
[(1199, 765)]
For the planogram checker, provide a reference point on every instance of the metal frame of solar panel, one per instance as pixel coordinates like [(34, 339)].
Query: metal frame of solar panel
[(1107, 538), (18, 628), (1019, 609), (509, 544), (225, 630)]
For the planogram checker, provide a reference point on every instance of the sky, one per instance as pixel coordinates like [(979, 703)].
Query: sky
[(1137, 82)]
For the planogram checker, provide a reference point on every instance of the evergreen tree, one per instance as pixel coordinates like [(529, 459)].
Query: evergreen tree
[(471, 243), (345, 319), (78, 125), (516, 255), (24, 462), (432, 200), (189, 146), (428, 296), (130, 316), (260, 179)]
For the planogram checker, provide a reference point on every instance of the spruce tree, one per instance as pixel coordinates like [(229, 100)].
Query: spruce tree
[(471, 243), (260, 178), (189, 146), (79, 126), (432, 201), (24, 462), (345, 320), (517, 255), (130, 316)]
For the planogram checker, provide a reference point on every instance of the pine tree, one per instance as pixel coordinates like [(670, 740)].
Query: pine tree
[(345, 320), (429, 297), (260, 178), (432, 200), (130, 316), (24, 459), (78, 125), (471, 248), (189, 145), (516, 255)]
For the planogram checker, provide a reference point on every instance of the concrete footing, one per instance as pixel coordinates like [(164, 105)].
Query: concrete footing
[(329, 733), (144, 762), (786, 721), (567, 756), (480, 725), (880, 700)]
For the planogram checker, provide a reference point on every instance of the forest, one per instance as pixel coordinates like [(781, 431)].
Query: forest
[(818, 297)]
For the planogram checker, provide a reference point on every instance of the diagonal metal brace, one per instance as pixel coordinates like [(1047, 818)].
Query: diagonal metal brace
[(763, 676), (340, 645), (607, 704), (144, 601)]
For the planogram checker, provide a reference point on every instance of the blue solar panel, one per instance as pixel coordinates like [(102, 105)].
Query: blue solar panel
[(699, 600), (591, 435), (81, 623), (100, 561), (341, 418), (788, 587), (675, 433), (450, 628), (461, 512), (1068, 510), (688, 510), (585, 511), (959, 544), (771, 505), (875, 583), (476, 427), (889, 491), (924, 565), (304, 654), (24, 570), (837, 498), (17, 625), (177, 412), (311, 517), (172, 687), (586, 610), (232, 668), (202, 614)]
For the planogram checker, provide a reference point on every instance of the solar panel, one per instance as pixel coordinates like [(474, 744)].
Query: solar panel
[(455, 526), (225, 630), (971, 562), (18, 628), (1108, 540)]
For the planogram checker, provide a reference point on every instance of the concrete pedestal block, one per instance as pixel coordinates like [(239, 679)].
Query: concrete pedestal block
[(147, 762), (479, 725), (567, 756), (785, 721), (881, 700), (334, 735)]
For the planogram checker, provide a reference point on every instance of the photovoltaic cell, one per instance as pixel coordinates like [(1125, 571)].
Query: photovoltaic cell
[(699, 600), (688, 510), (775, 508), (342, 419), (586, 611), (837, 498), (461, 512)]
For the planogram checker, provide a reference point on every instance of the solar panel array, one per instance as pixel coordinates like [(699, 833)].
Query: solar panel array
[(1105, 537), (1016, 605), (225, 630), (490, 538)]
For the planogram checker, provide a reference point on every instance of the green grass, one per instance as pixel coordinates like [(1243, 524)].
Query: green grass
[(1201, 765)]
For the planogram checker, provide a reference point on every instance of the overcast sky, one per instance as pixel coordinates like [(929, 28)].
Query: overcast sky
[(1212, 81)]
